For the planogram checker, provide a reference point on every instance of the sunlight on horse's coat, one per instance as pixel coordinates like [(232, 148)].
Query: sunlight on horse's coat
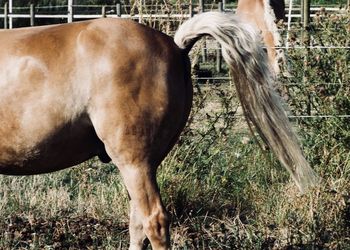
[(122, 91)]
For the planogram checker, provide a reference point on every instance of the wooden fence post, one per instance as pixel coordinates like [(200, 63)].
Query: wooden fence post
[(6, 13), (103, 11), (218, 50), (119, 9), (70, 11), (32, 15), (201, 5), (191, 8), (204, 46)]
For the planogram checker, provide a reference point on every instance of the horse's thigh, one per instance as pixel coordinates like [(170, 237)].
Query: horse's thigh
[(137, 132)]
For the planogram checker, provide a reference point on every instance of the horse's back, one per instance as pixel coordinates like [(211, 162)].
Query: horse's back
[(54, 79)]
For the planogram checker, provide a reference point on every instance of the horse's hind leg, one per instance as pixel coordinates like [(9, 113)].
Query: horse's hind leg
[(148, 216), (137, 141), (138, 239)]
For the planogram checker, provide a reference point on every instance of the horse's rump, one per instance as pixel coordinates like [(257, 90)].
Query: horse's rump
[(53, 77)]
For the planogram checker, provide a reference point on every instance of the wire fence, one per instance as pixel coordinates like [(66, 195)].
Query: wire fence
[(77, 12), (136, 12)]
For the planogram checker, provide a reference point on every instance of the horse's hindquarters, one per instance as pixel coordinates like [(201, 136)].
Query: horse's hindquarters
[(138, 114), (117, 89)]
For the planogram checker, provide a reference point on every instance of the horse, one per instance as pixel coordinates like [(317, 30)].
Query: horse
[(119, 90), (263, 14)]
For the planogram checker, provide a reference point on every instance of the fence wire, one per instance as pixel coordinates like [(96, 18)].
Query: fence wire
[(22, 12)]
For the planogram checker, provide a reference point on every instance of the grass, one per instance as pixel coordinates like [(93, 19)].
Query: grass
[(222, 189)]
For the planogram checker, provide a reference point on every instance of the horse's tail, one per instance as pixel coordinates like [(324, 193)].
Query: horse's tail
[(243, 52)]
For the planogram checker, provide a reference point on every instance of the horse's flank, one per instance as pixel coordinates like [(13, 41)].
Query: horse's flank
[(52, 79)]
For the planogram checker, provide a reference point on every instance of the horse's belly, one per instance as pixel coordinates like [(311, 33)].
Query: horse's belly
[(68, 146)]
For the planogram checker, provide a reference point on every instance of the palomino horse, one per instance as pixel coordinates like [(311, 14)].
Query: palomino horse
[(122, 91), (262, 14)]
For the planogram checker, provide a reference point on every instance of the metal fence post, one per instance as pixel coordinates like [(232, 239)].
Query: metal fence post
[(119, 9), (6, 13), (305, 13), (218, 50), (204, 46), (70, 11), (32, 15), (305, 17), (10, 11), (140, 11)]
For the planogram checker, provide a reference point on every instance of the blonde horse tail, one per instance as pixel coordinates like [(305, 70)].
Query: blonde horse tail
[(243, 52)]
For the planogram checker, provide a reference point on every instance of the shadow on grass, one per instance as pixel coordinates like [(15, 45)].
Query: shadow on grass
[(23, 232)]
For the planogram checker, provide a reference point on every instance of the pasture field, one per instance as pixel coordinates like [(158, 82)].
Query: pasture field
[(222, 189)]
